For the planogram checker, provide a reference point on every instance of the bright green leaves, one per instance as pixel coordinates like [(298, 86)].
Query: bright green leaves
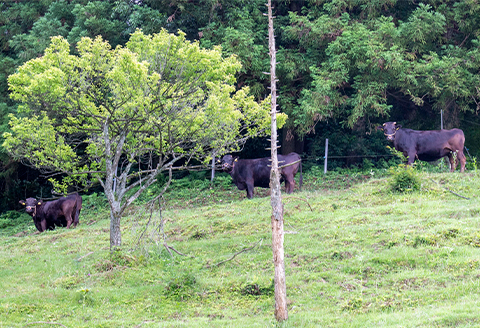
[(37, 140), (40, 82), (179, 61), (195, 92), (161, 96)]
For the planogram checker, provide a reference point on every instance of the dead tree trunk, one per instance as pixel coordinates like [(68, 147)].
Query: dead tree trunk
[(281, 313)]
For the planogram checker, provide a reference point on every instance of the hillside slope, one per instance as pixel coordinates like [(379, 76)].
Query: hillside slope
[(360, 257)]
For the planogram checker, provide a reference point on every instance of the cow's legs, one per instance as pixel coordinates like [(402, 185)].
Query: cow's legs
[(68, 217), (453, 160), (411, 157), (43, 225), (38, 225), (249, 190), (463, 160), (289, 185), (76, 219), (76, 214)]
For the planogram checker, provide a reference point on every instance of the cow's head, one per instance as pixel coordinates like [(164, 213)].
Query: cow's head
[(228, 163), (31, 205), (389, 129)]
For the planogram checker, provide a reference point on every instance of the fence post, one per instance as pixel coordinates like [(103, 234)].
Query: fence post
[(213, 169), (326, 156)]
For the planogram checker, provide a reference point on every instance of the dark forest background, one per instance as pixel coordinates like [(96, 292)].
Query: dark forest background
[(344, 66)]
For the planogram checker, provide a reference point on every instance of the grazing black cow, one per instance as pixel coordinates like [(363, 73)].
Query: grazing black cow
[(427, 145), (250, 173), (61, 212)]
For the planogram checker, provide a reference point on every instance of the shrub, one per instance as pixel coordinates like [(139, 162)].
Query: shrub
[(472, 165), (404, 179), (223, 181), (12, 222), (182, 287), (352, 304), (9, 219), (94, 201), (117, 260), (67, 281), (84, 296)]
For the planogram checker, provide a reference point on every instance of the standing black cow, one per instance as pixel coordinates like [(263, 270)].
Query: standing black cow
[(250, 173), (427, 145), (61, 212)]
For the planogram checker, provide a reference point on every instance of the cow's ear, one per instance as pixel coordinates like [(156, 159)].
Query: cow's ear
[(236, 159), (398, 126), (39, 202), (380, 128), (22, 202)]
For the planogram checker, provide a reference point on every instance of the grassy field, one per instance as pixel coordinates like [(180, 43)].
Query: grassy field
[(357, 255)]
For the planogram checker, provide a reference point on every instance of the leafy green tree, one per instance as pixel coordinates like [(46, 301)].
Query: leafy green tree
[(365, 60), (129, 113)]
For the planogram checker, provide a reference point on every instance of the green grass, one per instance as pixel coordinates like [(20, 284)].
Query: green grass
[(358, 257)]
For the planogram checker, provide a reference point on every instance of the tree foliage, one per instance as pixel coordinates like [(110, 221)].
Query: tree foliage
[(367, 59), (348, 63), (128, 113)]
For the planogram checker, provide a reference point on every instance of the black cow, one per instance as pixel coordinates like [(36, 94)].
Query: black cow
[(250, 173), (61, 212), (427, 145)]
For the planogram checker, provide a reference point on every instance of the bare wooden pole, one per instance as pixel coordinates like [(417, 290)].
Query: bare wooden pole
[(326, 157), (281, 313)]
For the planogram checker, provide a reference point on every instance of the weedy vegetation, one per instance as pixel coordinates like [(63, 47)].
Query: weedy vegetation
[(363, 248)]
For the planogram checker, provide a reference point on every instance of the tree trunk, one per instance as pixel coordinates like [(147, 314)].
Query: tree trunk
[(450, 115), (288, 141), (291, 142), (115, 233), (281, 313)]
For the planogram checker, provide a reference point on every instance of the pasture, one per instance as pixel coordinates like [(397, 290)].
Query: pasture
[(356, 255)]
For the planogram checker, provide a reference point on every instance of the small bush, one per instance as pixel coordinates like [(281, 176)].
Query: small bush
[(8, 219), (404, 179), (94, 201), (254, 289), (451, 233), (352, 304), (67, 282), (116, 259), (84, 296), (223, 181), (472, 165), (12, 222), (428, 240), (182, 287)]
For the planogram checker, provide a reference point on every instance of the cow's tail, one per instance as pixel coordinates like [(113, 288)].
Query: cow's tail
[(301, 176)]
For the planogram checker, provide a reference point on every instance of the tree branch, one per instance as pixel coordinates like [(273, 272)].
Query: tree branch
[(237, 253), (290, 197), (450, 190), (171, 247)]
